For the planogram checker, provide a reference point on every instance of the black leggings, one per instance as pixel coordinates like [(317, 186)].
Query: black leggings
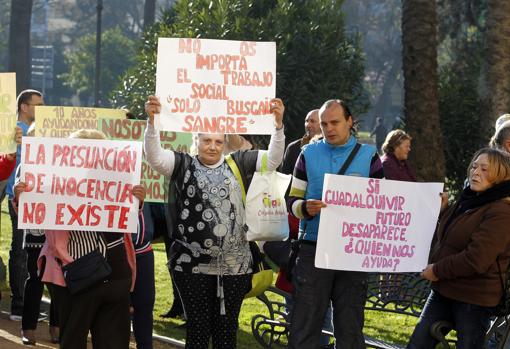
[(142, 300), (202, 308)]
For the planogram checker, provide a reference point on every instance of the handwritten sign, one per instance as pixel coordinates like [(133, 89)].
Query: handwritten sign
[(79, 184), (376, 225), (134, 130), (215, 86), (7, 113), (60, 122)]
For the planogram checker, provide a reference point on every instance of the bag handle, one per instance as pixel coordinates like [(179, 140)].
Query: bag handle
[(233, 166), (263, 164), (351, 157), (235, 169)]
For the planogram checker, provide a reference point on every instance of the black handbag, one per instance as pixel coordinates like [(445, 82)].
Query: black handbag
[(85, 272)]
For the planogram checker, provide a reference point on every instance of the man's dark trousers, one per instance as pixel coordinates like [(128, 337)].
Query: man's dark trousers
[(17, 265), (313, 289)]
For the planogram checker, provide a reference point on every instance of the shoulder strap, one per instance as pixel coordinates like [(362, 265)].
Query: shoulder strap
[(233, 166), (351, 157), (263, 165)]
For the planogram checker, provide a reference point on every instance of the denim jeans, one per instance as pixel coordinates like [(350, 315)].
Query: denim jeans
[(470, 321), (314, 289), (328, 320)]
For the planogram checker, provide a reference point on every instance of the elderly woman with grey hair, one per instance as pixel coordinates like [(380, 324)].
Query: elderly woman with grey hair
[(210, 259)]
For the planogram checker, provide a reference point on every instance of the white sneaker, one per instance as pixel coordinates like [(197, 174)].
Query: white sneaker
[(15, 317)]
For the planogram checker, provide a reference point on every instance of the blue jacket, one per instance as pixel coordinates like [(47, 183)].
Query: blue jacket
[(9, 189), (321, 158)]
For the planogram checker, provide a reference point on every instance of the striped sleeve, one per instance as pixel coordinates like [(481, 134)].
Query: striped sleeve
[(296, 203), (376, 168)]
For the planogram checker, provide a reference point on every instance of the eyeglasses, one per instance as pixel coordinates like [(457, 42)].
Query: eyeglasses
[(35, 104)]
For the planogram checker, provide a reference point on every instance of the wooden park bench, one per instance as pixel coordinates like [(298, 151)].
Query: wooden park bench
[(403, 294)]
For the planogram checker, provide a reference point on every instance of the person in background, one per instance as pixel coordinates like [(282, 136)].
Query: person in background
[(8, 161), (26, 102), (396, 150), (380, 133), (144, 292), (33, 241), (470, 256), (312, 129), (210, 259), (102, 309), (501, 138)]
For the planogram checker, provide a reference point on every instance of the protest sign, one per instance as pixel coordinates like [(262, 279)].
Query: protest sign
[(7, 113), (60, 122), (79, 184), (215, 86), (376, 225), (134, 130)]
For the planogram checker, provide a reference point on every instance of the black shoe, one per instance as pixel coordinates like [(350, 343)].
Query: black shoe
[(173, 313)]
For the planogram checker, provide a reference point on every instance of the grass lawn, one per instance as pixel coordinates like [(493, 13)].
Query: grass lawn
[(385, 326)]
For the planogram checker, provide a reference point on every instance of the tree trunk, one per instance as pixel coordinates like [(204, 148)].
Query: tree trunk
[(149, 13), (495, 77), (421, 109), (19, 42)]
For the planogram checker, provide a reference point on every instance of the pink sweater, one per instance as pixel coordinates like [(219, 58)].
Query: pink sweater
[(56, 247)]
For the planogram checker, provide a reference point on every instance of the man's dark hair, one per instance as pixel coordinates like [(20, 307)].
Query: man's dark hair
[(25, 96), (347, 112), (331, 102)]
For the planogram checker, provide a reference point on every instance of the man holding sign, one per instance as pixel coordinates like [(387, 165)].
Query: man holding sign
[(337, 152)]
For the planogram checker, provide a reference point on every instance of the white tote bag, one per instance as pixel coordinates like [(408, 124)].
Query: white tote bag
[(266, 209)]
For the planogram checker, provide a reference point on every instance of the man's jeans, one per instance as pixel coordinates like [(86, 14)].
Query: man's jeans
[(470, 321), (314, 288), (328, 320), (17, 265)]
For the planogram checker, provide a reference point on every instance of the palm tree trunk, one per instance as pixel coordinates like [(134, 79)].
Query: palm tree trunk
[(421, 110), (19, 42), (149, 13), (495, 77)]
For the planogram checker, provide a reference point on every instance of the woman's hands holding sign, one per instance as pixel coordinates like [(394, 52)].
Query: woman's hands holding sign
[(277, 108), (428, 273), (152, 106)]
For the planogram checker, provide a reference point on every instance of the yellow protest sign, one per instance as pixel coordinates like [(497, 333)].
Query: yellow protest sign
[(7, 113), (60, 122)]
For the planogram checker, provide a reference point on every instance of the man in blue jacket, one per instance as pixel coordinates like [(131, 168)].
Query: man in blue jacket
[(26, 102), (314, 288)]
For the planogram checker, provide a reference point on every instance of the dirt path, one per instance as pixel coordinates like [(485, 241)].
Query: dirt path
[(10, 333)]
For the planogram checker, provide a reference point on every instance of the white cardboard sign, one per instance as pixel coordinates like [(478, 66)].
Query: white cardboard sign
[(79, 184), (215, 86), (376, 225)]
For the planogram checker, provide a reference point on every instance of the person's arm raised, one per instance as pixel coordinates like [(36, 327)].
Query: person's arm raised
[(161, 160), (276, 146)]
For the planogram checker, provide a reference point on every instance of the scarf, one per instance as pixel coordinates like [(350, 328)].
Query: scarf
[(469, 199)]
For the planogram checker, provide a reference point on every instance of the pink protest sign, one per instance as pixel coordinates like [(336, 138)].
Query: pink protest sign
[(376, 225)]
